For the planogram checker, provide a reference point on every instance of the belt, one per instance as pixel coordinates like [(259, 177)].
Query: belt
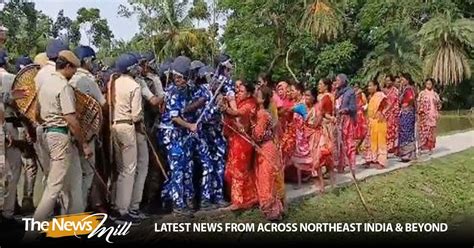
[(129, 122), (14, 120), (63, 130)]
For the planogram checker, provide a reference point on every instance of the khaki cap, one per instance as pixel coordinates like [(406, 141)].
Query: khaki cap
[(41, 59), (70, 57)]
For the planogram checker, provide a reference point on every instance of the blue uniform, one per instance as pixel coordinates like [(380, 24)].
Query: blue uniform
[(199, 146), (214, 138), (228, 88), (179, 188)]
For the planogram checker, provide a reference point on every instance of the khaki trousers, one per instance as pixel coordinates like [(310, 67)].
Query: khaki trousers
[(131, 152), (64, 177), (13, 171), (87, 166)]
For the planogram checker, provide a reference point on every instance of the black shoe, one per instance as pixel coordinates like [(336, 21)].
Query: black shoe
[(126, 218), (27, 206), (222, 204), (114, 214), (138, 214), (206, 206), (183, 212), (17, 209)]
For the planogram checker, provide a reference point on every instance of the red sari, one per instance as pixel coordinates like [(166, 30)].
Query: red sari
[(393, 115), (325, 153), (361, 120), (238, 172), (268, 167)]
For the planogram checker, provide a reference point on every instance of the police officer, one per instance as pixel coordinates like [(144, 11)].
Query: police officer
[(30, 167), (212, 128), (41, 59), (13, 154), (128, 135), (199, 147), (175, 130), (84, 81), (153, 96), (64, 136), (224, 68), (52, 52)]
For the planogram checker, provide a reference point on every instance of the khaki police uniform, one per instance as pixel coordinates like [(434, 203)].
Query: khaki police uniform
[(13, 154), (41, 148), (128, 144), (84, 81), (56, 99)]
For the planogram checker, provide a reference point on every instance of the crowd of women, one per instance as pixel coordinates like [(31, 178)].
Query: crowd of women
[(294, 132)]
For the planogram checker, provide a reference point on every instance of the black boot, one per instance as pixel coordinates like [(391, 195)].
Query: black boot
[(27, 206)]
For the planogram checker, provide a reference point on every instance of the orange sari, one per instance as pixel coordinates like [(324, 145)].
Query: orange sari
[(268, 167), (240, 154)]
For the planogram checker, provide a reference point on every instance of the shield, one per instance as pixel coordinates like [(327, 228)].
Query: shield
[(25, 80)]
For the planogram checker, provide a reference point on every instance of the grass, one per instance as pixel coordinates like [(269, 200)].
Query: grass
[(441, 190)]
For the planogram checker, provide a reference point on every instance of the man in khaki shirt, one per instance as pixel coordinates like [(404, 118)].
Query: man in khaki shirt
[(57, 110), (85, 82), (127, 129), (52, 52)]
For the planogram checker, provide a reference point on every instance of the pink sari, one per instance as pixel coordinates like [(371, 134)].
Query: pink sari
[(428, 105)]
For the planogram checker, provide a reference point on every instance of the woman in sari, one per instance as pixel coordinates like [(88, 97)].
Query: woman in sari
[(346, 114), (238, 174), (294, 126), (361, 121), (406, 137), (393, 113), (306, 132), (376, 150), (268, 164), (428, 106), (325, 151)]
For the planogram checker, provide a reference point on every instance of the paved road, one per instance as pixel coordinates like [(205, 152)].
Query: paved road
[(445, 145)]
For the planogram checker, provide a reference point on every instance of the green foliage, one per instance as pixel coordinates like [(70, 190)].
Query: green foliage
[(96, 28), (168, 26), (445, 41), (28, 29), (334, 57)]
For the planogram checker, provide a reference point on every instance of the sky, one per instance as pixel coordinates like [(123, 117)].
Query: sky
[(122, 28)]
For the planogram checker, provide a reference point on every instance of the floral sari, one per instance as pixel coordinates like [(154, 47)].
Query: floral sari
[(406, 137), (268, 167), (376, 150), (238, 173), (393, 118), (428, 105)]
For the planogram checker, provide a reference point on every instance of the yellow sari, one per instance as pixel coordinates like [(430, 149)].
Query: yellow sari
[(376, 143)]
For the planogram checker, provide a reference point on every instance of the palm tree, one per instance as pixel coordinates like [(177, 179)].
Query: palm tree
[(394, 55), (323, 20), (443, 42)]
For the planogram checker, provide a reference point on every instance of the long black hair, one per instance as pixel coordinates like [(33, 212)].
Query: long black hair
[(328, 83), (376, 83), (391, 77), (408, 77), (314, 94), (267, 77), (267, 94), (249, 87)]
